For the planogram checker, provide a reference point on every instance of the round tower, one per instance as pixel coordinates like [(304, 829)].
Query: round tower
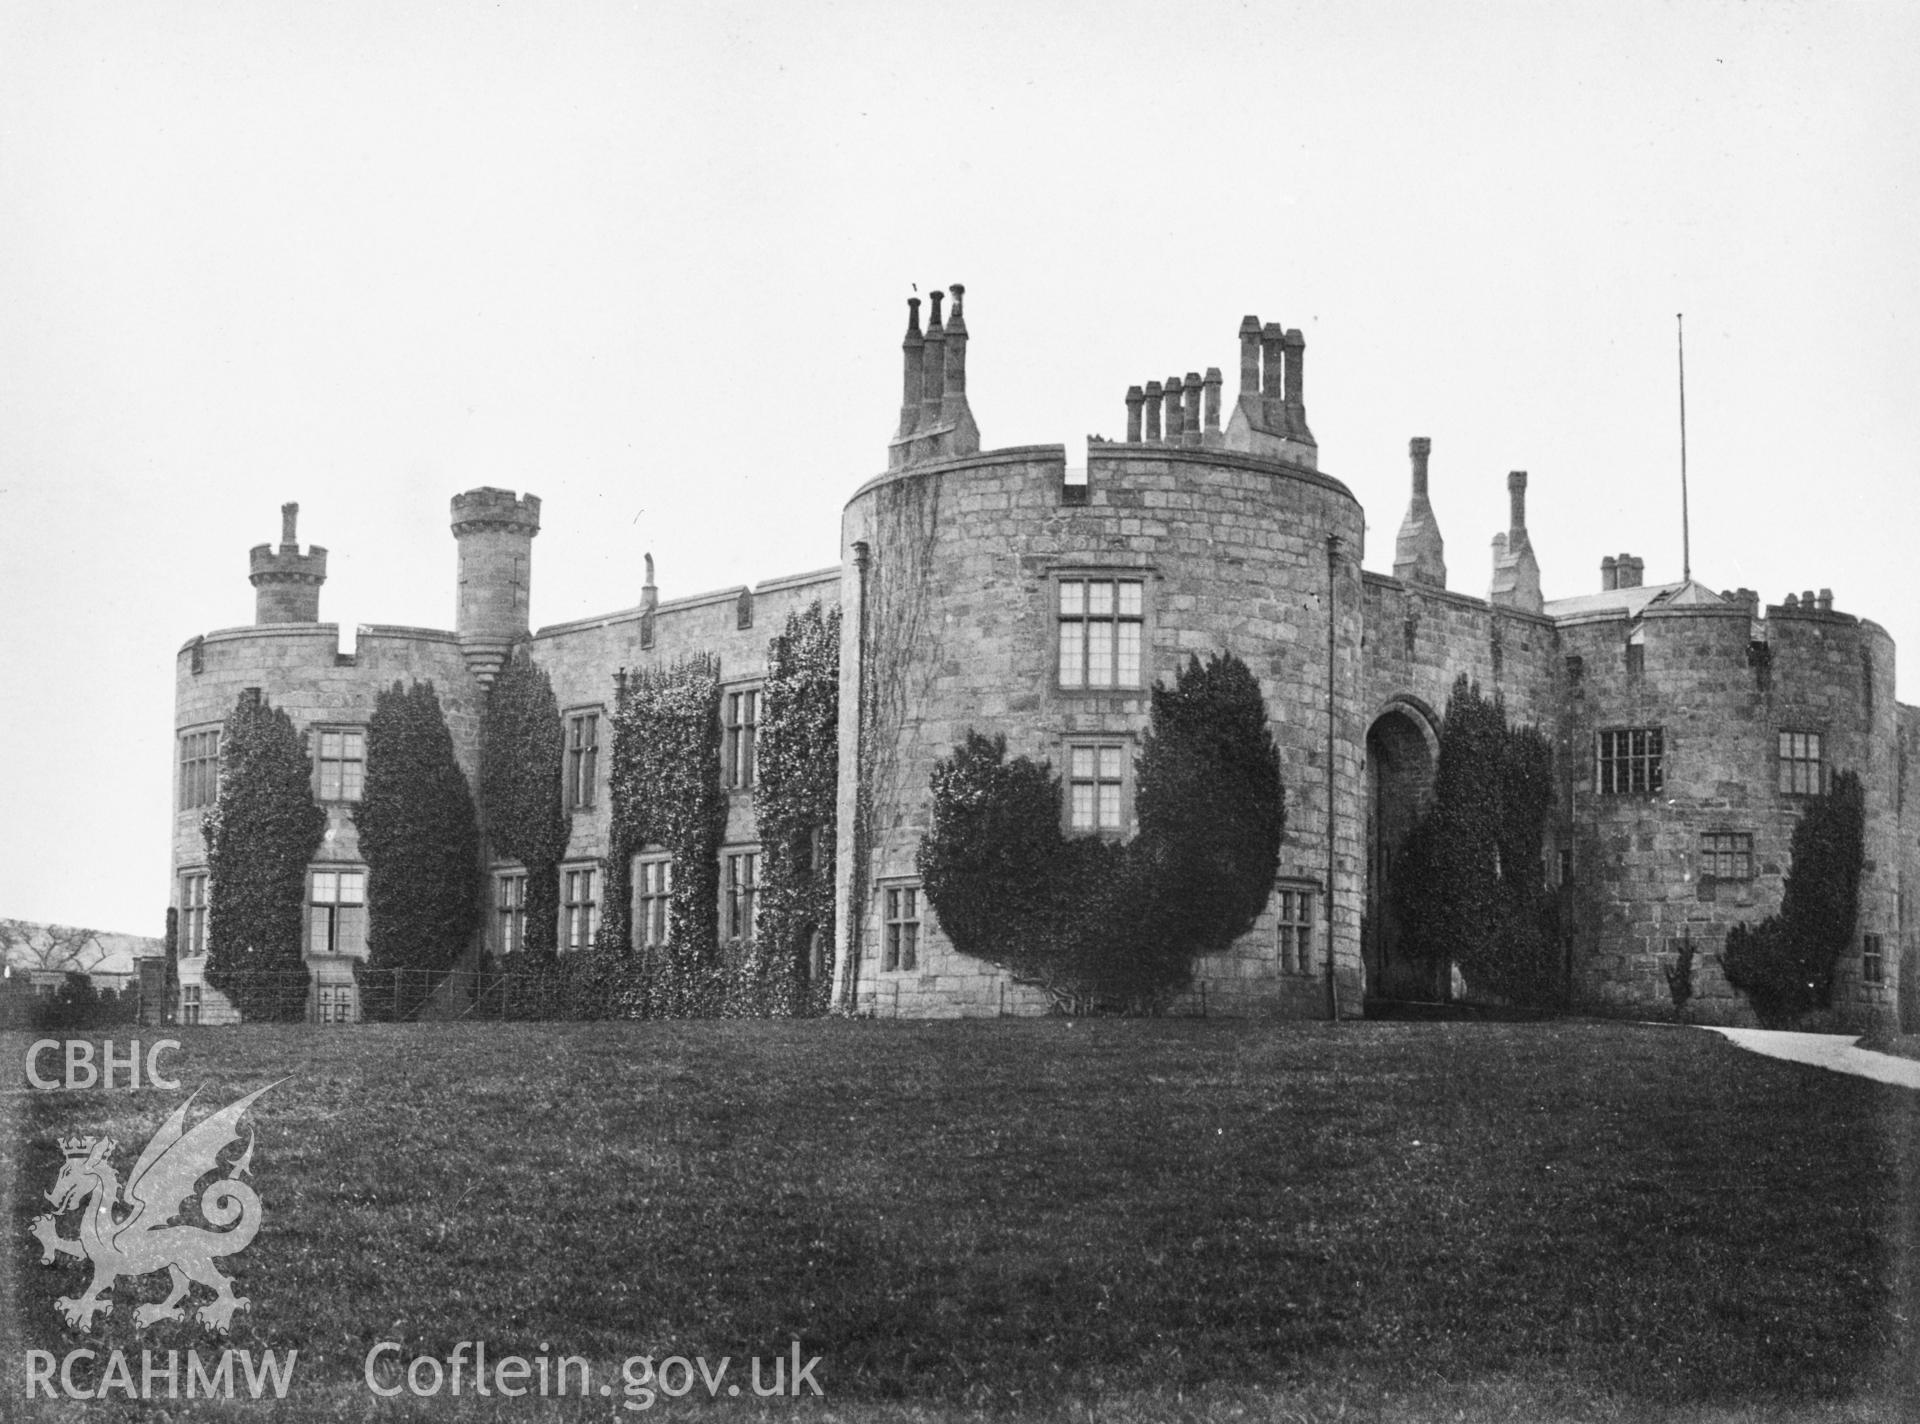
[(495, 532), (287, 582)]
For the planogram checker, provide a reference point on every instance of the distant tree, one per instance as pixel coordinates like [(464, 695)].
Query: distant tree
[(420, 841), (1785, 963), (261, 835), (522, 743)]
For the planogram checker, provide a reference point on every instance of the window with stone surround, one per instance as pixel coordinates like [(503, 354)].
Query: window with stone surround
[(1802, 770), (652, 895), (337, 912), (340, 762), (1873, 964), (739, 892), (190, 1003), (510, 910), (1631, 762), (1097, 785), (1726, 855), (1293, 931), (579, 908), (740, 729), (199, 768), (900, 945), (1102, 628), (583, 757), (192, 925)]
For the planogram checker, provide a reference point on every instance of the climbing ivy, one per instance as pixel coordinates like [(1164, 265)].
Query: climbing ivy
[(421, 844), (665, 780), (795, 791), (522, 743), (261, 835)]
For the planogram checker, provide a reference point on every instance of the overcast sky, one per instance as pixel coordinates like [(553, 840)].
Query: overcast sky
[(649, 261)]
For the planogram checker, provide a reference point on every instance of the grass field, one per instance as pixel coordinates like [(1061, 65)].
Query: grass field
[(1110, 1220)]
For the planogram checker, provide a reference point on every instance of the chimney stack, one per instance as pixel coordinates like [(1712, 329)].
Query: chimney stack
[(1609, 574), (1176, 426), (912, 351), (1190, 417), (1153, 412), (953, 401), (933, 364), (1419, 552), (1210, 388), (1249, 355), (1516, 572), (1135, 399)]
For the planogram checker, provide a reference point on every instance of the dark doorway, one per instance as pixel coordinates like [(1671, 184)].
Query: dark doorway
[(1399, 785)]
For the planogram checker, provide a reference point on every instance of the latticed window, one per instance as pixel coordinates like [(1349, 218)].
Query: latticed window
[(337, 921), (583, 751), (1100, 632), (342, 763), (1630, 762), (192, 927), (741, 889), (1801, 766), (335, 1003), (190, 1003), (199, 768), (1873, 964), (1096, 781), (901, 948), (652, 894), (1294, 931), (1727, 855), (579, 909), (510, 910), (742, 729)]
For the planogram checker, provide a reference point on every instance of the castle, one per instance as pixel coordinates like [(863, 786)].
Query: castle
[(1007, 591)]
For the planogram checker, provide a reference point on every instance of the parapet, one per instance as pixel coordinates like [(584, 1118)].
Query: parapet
[(936, 423), (488, 509), (287, 582)]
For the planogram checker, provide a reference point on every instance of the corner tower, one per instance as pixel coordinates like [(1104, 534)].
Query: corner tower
[(286, 582), (495, 531)]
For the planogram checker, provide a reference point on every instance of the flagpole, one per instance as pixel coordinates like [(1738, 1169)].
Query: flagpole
[(1686, 547)]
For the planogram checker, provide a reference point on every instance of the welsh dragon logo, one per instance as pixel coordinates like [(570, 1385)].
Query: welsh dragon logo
[(134, 1233)]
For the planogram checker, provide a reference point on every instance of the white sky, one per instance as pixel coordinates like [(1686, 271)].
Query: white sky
[(649, 261)]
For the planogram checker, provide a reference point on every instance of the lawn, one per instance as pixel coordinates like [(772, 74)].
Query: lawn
[(1110, 1220)]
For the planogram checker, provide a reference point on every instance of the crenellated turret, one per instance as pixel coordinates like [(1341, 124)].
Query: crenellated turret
[(287, 582), (495, 531)]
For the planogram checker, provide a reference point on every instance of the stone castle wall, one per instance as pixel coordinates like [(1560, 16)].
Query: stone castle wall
[(962, 633)]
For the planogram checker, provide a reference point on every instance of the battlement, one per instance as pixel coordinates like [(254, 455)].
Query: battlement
[(287, 582), (487, 508)]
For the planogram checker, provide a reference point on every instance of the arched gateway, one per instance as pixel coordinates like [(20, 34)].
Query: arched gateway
[(1401, 751)]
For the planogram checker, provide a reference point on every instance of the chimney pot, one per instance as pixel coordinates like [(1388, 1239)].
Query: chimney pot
[(1153, 413), (1249, 355), (1210, 385), (1135, 399), (1418, 449), (1176, 428), (1825, 603), (289, 516), (1609, 574)]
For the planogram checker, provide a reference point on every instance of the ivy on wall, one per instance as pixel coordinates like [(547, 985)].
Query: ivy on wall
[(795, 790), (1784, 964), (665, 792), (1098, 924), (1471, 886), (420, 842), (522, 743), (261, 835)]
